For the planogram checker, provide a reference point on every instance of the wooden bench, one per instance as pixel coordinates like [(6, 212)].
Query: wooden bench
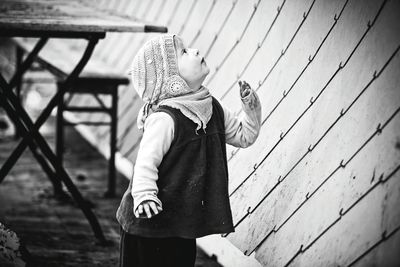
[(100, 79)]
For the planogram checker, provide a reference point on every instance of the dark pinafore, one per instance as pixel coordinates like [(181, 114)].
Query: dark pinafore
[(193, 183)]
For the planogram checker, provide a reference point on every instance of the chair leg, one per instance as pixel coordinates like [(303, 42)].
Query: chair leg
[(59, 136), (113, 145), (18, 58)]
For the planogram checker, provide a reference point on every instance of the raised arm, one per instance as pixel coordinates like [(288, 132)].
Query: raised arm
[(243, 131)]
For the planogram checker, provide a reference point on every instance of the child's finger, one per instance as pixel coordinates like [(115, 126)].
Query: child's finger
[(241, 87), (153, 207), (140, 209), (147, 210), (136, 213)]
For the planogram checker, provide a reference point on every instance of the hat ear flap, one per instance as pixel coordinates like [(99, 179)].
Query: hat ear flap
[(138, 73), (175, 86)]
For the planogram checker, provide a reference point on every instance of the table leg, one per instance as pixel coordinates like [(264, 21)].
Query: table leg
[(13, 111), (22, 67), (20, 117), (113, 145), (53, 102), (58, 192)]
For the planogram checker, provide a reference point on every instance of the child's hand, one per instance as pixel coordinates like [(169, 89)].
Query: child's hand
[(245, 89), (147, 209)]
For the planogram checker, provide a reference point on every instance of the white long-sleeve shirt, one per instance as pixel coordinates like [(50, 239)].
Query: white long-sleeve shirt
[(159, 133)]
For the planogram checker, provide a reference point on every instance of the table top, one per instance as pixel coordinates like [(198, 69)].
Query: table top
[(62, 17)]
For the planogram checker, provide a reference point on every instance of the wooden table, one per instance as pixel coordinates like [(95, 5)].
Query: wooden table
[(53, 19)]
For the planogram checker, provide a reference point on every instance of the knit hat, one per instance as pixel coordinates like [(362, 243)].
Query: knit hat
[(155, 77)]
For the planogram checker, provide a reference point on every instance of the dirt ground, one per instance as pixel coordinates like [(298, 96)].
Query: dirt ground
[(55, 232)]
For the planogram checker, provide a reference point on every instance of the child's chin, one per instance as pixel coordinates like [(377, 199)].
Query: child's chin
[(206, 71), (205, 75)]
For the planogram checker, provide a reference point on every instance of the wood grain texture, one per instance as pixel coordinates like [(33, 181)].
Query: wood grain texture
[(63, 16)]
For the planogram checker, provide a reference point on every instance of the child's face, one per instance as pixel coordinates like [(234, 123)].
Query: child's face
[(192, 66)]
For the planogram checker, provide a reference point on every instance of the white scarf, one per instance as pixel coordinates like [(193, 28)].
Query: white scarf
[(196, 106)]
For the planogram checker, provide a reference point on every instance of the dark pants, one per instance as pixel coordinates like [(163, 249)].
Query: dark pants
[(136, 251)]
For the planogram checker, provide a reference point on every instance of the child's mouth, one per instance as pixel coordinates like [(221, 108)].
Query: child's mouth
[(203, 61)]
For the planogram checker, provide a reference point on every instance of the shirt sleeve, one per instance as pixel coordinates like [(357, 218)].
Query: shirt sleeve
[(156, 141), (243, 130)]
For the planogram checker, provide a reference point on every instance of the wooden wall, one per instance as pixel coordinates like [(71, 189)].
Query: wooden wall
[(321, 186)]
